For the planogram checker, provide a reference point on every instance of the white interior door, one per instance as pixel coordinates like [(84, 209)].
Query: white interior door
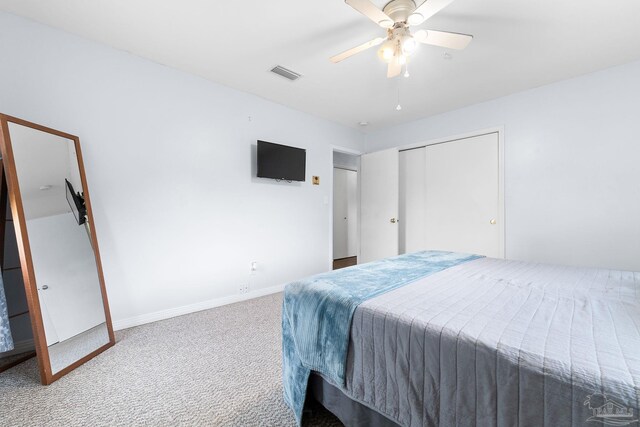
[(379, 205), (345, 213), (463, 196)]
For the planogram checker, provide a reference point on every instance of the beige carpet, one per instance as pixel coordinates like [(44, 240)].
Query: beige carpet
[(220, 367)]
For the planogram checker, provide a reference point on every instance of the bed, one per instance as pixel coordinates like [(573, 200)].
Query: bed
[(440, 339)]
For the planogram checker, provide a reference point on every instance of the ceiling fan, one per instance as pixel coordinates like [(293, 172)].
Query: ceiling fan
[(397, 17)]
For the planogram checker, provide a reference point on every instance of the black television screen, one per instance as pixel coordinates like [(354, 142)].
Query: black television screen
[(281, 162), (76, 203)]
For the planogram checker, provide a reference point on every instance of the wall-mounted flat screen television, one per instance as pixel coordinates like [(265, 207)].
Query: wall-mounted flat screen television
[(281, 162)]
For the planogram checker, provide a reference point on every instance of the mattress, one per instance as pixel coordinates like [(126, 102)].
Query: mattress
[(501, 343)]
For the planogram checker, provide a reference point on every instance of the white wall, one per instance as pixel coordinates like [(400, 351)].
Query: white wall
[(572, 171), (170, 161)]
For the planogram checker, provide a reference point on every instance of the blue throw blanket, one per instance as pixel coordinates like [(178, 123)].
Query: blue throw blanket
[(317, 313), (6, 343)]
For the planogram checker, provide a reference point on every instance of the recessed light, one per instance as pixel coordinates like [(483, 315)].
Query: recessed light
[(364, 123)]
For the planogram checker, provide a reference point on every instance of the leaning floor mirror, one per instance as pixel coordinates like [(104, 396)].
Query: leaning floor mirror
[(57, 246)]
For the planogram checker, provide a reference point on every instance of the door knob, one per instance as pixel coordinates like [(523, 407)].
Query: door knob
[(45, 287), (393, 220), (492, 222)]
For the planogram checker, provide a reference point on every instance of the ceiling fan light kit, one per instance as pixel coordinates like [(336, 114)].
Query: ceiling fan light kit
[(397, 16), (409, 44), (387, 51), (415, 19)]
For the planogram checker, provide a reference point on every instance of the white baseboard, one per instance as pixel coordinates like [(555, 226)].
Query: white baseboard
[(20, 347), (192, 308)]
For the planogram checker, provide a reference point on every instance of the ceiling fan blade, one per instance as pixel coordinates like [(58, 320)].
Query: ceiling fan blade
[(369, 10), (443, 39), (426, 10), (394, 68), (348, 53)]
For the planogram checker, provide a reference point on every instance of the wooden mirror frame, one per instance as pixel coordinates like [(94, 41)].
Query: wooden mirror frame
[(24, 251)]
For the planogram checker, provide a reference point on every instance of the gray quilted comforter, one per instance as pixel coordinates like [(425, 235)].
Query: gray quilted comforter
[(501, 343)]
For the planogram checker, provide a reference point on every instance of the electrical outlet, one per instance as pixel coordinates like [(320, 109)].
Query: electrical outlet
[(244, 288)]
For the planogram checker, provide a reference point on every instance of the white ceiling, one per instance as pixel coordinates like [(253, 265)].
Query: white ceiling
[(518, 45)]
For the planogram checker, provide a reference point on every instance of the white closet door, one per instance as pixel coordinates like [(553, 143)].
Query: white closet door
[(378, 205), (412, 200), (462, 196)]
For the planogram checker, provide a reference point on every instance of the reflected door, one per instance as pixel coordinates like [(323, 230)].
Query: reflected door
[(66, 274)]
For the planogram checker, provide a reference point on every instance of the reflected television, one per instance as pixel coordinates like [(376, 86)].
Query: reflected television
[(76, 202)]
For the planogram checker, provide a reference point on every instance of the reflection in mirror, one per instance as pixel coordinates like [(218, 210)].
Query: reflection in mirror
[(58, 231), (19, 322)]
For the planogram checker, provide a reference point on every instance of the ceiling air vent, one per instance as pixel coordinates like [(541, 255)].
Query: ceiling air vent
[(287, 74)]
